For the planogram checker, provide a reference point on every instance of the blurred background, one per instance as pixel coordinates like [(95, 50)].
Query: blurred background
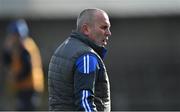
[(143, 59)]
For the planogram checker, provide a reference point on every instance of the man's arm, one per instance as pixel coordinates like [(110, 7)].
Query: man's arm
[(84, 82)]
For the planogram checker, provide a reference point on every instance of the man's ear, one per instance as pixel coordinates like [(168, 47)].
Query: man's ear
[(85, 29)]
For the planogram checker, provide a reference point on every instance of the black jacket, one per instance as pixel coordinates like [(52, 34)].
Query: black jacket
[(77, 77)]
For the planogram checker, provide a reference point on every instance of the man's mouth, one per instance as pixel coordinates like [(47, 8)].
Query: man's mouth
[(105, 42)]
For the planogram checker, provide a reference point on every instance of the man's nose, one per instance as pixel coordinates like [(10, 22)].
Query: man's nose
[(108, 32)]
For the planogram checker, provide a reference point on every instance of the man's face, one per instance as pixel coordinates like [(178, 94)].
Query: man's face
[(100, 30)]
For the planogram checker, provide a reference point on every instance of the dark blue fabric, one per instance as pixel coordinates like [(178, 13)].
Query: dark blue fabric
[(86, 100), (86, 63)]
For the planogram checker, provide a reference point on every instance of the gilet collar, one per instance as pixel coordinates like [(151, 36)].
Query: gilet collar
[(100, 50)]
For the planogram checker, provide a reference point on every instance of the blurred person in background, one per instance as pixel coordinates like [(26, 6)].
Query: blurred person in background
[(22, 61), (77, 77)]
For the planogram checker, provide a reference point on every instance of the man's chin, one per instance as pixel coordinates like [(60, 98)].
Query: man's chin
[(103, 44)]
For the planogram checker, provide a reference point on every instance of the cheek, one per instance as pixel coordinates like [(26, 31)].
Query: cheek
[(97, 34), (100, 34)]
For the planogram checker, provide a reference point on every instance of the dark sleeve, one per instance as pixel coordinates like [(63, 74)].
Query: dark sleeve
[(84, 82)]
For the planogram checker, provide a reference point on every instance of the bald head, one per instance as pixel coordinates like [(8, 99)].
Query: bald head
[(87, 16)]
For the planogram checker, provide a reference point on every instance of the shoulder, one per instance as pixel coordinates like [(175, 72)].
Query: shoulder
[(87, 62), (72, 47)]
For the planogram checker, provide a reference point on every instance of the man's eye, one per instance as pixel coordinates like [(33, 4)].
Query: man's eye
[(104, 27)]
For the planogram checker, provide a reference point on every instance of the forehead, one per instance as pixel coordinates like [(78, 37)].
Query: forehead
[(102, 18)]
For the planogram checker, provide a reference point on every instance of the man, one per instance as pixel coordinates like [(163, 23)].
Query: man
[(77, 77), (22, 61)]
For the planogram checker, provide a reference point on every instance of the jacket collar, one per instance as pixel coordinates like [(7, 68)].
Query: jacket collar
[(100, 50)]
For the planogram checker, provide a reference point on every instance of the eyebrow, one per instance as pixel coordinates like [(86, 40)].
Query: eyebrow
[(108, 24)]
